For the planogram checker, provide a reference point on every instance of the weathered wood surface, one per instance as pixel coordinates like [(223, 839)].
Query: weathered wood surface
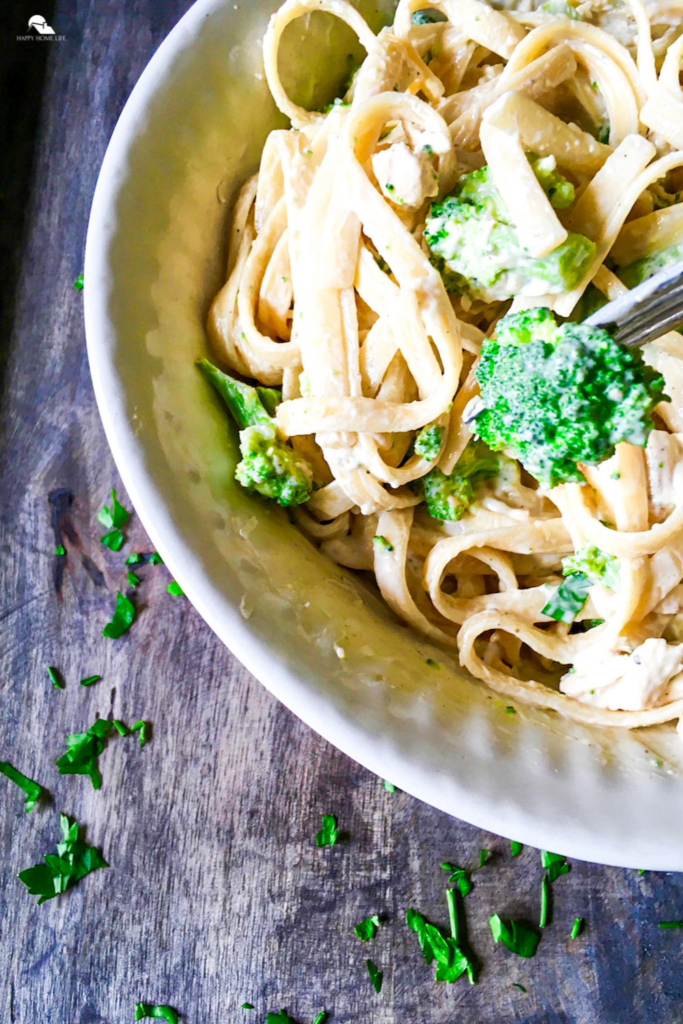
[(216, 893)]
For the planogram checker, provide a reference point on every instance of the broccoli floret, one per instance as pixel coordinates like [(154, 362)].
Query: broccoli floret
[(449, 497), (428, 442), (427, 16), (597, 565), (554, 396), (269, 465), (633, 273), (476, 249)]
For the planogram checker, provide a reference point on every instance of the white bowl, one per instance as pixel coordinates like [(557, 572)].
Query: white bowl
[(189, 134)]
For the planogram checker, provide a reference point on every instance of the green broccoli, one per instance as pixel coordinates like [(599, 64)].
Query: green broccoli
[(597, 565), (449, 497), (475, 247), (554, 396), (269, 465), (428, 442), (427, 16), (633, 273)]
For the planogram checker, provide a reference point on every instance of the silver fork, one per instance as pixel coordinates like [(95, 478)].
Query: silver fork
[(646, 311)]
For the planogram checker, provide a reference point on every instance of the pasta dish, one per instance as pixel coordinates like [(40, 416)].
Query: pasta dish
[(400, 340)]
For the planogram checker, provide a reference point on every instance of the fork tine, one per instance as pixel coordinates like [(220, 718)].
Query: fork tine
[(647, 311)]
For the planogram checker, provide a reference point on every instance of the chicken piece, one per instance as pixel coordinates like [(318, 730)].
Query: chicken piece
[(664, 456), (406, 178), (624, 682)]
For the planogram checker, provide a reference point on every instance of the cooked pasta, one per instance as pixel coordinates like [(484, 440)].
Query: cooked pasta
[(484, 161)]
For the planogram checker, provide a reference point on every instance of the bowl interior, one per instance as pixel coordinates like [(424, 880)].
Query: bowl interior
[(311, 632)]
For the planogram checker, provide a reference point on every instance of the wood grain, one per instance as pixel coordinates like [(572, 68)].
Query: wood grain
[(216, 893)]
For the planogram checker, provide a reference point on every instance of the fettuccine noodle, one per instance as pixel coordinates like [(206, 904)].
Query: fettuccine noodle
[(332, 297)]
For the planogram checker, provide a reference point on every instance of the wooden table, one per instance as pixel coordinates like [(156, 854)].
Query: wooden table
[(216, 893)]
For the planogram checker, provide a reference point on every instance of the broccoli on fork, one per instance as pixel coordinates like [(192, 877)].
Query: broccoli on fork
[(558, 395), (269, 465)]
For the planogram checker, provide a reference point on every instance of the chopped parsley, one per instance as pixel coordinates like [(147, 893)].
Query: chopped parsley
[(375, 975), (509, 710), (73, 861), (60, 550), (158, 1012), (670, 924), (279, 1018), (451, 960), (577, 927), (543, 917), (89, 680), (83, 750), (382, 543), (460, 877), (78, 283), (121, 727), (483, 857), (515, 936), (432, 663), (328, 834), (155, 559), (389, 786), (567, 601), (140, 727), (134, 559), (122, 619), (133, 580), (555, 864), (32, 790), (55, 677), (114, 517), (320, 1017), (113, 540), (365, 930), (515, 848), (247, 1006), (516, 984), (175, 589)]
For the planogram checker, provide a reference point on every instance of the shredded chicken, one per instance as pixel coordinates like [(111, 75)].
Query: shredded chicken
[(624, 682), (406, 178)]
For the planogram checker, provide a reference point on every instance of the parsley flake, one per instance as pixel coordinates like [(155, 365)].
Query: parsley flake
[(279, 1018), (175, 589), (375, 975), (543, 917), (113, 540), (515, 848), (459, 877), (577, 927), (417, 923), (115, 517), (121, 727), (320, 1018), (366, 929), (89, 680), (133, 580), (140, 727), (389, 786), (60, 550), (155, 559), (515, 936), (83, 750), (134, 559), (247, 1006), (78, 283), (158, 1012), (32, 790), (55, 677), (74, 860), (483, 857), (122, 619), (670, 924), (328, 834), (568, 599), (381, 543), (555, 863), (516, 984)]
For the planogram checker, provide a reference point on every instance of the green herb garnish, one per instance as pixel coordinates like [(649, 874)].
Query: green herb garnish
[(55, 677), (567, 601), (122, 619), (155, 559), (555, 863), (375, 975), (89, 680), (389, 786), (543, 917), (83, 750), (133, 580), (320, 1017), (78, 283), (31, 789), (577, 927), (483, 857), (247, 1006), (134, 559), (279, 1018), (114, 517), (515, 936), (175, 589), (459, 877), (366, 929), (113, 540), (140, 727), (670, 924), (328, 834), (158, 1012), (60, 550), (74, 859), (382, 543), (516, 984), (515, 848), (121, 727)]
